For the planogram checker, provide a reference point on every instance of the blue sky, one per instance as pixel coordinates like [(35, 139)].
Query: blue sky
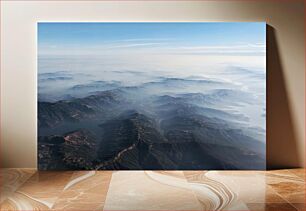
[(196, 37), (217, 51)]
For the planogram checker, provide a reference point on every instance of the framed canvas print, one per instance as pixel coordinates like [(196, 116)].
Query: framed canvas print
[(151, 95)]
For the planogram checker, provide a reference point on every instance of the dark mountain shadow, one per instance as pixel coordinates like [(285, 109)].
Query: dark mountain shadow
[(281, 139)]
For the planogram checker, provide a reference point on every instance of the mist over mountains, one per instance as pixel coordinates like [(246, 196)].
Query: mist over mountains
[(144, 120)]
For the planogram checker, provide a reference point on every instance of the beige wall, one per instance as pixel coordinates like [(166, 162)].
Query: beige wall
[(286, 62)]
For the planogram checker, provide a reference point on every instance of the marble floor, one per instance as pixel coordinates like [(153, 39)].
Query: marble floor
[(29, 189)]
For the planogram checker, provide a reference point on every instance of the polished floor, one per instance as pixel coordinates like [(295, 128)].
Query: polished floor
[(28, 189)]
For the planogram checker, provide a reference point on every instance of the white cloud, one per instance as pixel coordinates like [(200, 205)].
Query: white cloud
[(132, 45), (138, 40), (157, 48)]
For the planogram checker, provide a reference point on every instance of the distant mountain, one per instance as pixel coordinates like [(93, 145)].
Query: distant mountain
[(95, 86), (163, 85), (217, 97), (52, 114), (167, 105), (74, 150), (177, 84), (150, 126), (245, 73), (57, 78), (136, 143)]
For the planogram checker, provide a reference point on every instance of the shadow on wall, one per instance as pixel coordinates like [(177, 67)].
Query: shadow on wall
[(281, 140)]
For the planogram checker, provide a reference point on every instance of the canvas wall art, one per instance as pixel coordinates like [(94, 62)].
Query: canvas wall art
[(151, 96)]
